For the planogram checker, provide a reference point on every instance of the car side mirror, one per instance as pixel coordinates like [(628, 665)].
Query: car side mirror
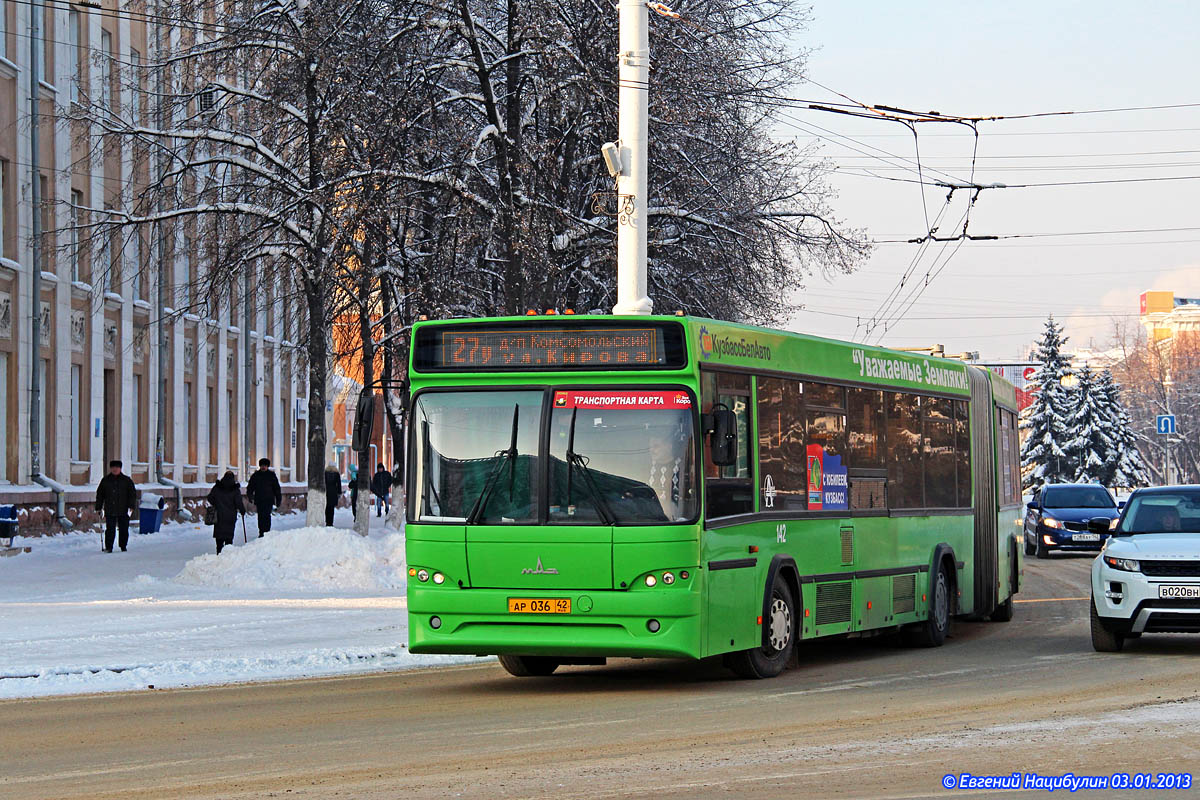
[(1100, 524), (1033, 505), (1120, 504), (722, 441)]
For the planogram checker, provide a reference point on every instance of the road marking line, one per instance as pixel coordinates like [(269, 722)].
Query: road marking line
[(1050, 599)]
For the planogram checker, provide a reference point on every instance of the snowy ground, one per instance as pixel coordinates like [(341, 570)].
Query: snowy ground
[(300, 602)]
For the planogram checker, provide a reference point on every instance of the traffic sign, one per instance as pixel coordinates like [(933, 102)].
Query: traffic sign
[(1165, 424)]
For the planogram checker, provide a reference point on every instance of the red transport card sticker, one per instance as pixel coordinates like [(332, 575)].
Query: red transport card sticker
[(638, 401)]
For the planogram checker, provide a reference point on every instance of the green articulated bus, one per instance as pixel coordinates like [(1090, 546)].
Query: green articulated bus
[(583, 487)]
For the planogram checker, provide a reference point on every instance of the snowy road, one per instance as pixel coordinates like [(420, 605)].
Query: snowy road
[(855, 719), (165, 613)]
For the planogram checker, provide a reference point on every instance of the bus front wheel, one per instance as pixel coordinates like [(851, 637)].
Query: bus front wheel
[(528, 666), (932, 632), (778, 638)]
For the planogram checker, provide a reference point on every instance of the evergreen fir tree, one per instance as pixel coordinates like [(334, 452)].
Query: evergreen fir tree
[(1123, 466), (1090, 444), (1043, 456)]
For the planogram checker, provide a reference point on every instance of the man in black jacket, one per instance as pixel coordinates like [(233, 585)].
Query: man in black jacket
[(381, 484), (116, 497), (263, 490), (333, 490)]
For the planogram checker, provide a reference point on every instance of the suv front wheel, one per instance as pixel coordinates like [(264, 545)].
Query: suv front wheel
[(1104, 640)]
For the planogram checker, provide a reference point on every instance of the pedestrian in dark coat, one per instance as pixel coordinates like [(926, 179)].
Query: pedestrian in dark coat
[(381, 485), (225, 497), (333, 490), (116, 496), (263, 490)]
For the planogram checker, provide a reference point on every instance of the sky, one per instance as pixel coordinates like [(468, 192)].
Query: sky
[(975, 58)]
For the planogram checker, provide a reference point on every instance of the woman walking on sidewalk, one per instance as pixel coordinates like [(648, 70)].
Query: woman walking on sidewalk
[(225, 501)]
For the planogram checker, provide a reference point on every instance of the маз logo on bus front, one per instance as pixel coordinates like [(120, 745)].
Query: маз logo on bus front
[(539, 570)]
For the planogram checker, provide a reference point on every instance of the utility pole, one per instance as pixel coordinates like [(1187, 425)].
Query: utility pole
[(630, 162), (1167, 384), (35, 183)]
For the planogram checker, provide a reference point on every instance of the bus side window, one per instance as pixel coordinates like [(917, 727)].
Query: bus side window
[(729, 490)]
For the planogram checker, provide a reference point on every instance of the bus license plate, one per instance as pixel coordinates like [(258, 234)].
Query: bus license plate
[(1181, 592), (551, 605)]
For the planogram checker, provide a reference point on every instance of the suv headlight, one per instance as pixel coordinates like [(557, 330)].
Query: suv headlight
[(1051, 522), (1123, 564)]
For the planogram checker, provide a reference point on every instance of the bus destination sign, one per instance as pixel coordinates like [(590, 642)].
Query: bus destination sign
[(486, 348)]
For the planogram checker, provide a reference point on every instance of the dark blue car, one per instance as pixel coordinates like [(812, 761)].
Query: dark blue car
[(1057, 518)]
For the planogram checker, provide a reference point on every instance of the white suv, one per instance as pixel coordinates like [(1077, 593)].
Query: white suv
[(1147, 577)]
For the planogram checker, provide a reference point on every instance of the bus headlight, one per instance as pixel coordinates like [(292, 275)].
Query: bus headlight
[(668, 578), (422, 575), (439, 578), (651, 580)]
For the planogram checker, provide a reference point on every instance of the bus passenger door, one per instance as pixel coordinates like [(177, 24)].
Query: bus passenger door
[(733, 596), (734, 601)]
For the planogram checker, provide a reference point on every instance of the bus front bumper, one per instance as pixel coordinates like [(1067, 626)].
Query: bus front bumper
[(601, 623)]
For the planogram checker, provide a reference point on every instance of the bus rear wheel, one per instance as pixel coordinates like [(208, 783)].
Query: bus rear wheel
[(529, 666), (778, 638)]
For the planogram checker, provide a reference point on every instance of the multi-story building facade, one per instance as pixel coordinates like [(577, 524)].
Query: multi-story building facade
[(1165, 316), (234, 385)]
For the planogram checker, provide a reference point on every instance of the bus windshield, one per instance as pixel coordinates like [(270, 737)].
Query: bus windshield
[(625, 457), (477, 455), (622, 457)]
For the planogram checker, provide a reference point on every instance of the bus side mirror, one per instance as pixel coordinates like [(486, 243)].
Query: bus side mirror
[(722, 442)]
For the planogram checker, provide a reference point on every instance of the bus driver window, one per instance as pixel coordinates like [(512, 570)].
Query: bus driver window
[(729, 489)]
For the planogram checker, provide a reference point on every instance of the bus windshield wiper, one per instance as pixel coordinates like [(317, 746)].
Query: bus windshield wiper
[(576, 461), (502, 457)]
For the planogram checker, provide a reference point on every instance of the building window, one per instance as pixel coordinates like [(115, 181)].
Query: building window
[(139, 267), (76, 422), (76, 220), (4, 417), (232, 415), (286, 422), (187, 273), (188, 427), (47, 409), (105, 264), (136, 398), (4, 53), (74, 32), (135, 62), (106, 52), (3, 192), (213, 453)]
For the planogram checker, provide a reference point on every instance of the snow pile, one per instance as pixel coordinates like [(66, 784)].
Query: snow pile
[(305, 559)]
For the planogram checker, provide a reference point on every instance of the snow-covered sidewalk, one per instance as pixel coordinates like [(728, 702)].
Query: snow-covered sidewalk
[(300, 602)]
